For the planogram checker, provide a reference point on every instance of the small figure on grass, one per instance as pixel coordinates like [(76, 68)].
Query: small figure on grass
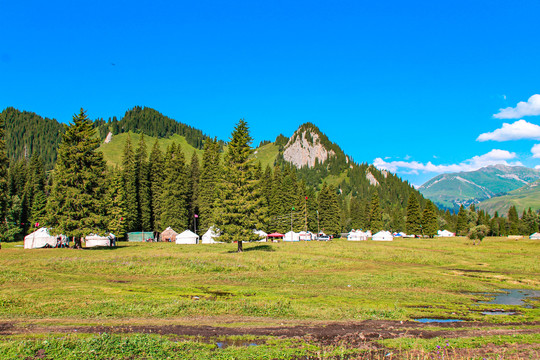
[(478, 233)]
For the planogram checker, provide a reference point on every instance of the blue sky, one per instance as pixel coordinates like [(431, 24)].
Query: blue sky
[(409, 85)]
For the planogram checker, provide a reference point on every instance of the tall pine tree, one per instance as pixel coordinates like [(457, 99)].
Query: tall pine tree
[(376, 214), (129, 168), (208, 184), (174, 194), (240, 190), (429, 220), (156, 169), (75, 206), (413, 222), (144, 201)]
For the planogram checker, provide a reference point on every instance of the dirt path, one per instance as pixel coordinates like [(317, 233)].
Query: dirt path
[(351, 333)]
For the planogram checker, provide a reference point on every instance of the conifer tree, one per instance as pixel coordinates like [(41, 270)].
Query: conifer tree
[(132, 220), (239, 193), (4, 164), (174, 194), (266, 181), (513, 220), (329, 210), (193, 188), (376, 214), (144, 202), (262, 213), (278, 211), (116, 204), (37, 181), (355, 210), (157, 171), (462, 226), (365, 219), (75, 206), (530, 221), (208, 184), (429, 220), (413, 222)]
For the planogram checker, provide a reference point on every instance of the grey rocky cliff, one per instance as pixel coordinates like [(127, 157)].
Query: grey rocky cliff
[(302, 152)]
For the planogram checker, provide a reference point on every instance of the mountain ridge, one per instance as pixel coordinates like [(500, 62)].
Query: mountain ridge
[(472, 187)]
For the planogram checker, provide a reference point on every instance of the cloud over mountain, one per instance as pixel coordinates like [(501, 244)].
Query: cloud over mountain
[(494, 157)]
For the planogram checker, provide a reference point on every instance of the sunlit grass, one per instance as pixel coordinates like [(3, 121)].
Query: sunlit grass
[(337, 280)]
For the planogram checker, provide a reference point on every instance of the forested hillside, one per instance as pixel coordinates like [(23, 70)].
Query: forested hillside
[(27, 133), (152, 123), (308, 183), (369, 198)]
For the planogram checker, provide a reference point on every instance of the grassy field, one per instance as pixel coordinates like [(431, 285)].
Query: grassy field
[(268, 284)]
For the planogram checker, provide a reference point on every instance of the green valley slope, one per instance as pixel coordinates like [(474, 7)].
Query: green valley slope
[(523, 198)]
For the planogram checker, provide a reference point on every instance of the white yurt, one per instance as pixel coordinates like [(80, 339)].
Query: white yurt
[(305, 236), (291, 236), (535, 236), (357, 235), (382, 236), (260, 235), (187, 237), (445, 233), (94, 240), (209, 236), (39, 238)]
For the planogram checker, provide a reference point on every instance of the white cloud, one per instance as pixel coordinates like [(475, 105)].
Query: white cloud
[(494, 157), (536, 151), (537, 167), (520, 129), (531, 107)]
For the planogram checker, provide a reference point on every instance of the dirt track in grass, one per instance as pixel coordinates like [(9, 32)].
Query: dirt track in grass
[(349, 333)]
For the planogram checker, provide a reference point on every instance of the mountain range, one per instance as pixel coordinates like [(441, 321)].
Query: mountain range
[(493, 188)]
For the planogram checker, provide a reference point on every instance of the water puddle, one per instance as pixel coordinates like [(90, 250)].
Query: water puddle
[(498, 312), (514, 297), (429, 320), (226, 343)]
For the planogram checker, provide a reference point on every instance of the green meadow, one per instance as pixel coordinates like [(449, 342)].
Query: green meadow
[(268, 284), (337, 280)]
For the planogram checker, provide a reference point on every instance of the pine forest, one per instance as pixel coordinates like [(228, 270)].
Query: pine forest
[(54, 175)]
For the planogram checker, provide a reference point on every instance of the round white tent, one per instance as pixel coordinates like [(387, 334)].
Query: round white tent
[(383, 236), (291, 236), (305, 236), (445, 233), (94, 240), (187, 237), (357, 235), (39, 239), (261, 234), (209, 236)]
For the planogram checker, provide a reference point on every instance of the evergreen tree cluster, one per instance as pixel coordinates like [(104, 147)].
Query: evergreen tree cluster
[(511, 224), (27, 133), (226, 190)]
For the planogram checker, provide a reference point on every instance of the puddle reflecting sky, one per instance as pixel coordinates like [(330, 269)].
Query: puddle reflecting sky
[(512, 297)]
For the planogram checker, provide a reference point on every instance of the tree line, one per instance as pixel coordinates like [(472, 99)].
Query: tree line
[(227, 190)]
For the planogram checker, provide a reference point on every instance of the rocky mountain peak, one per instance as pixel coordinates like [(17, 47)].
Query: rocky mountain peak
[(305, 148)]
